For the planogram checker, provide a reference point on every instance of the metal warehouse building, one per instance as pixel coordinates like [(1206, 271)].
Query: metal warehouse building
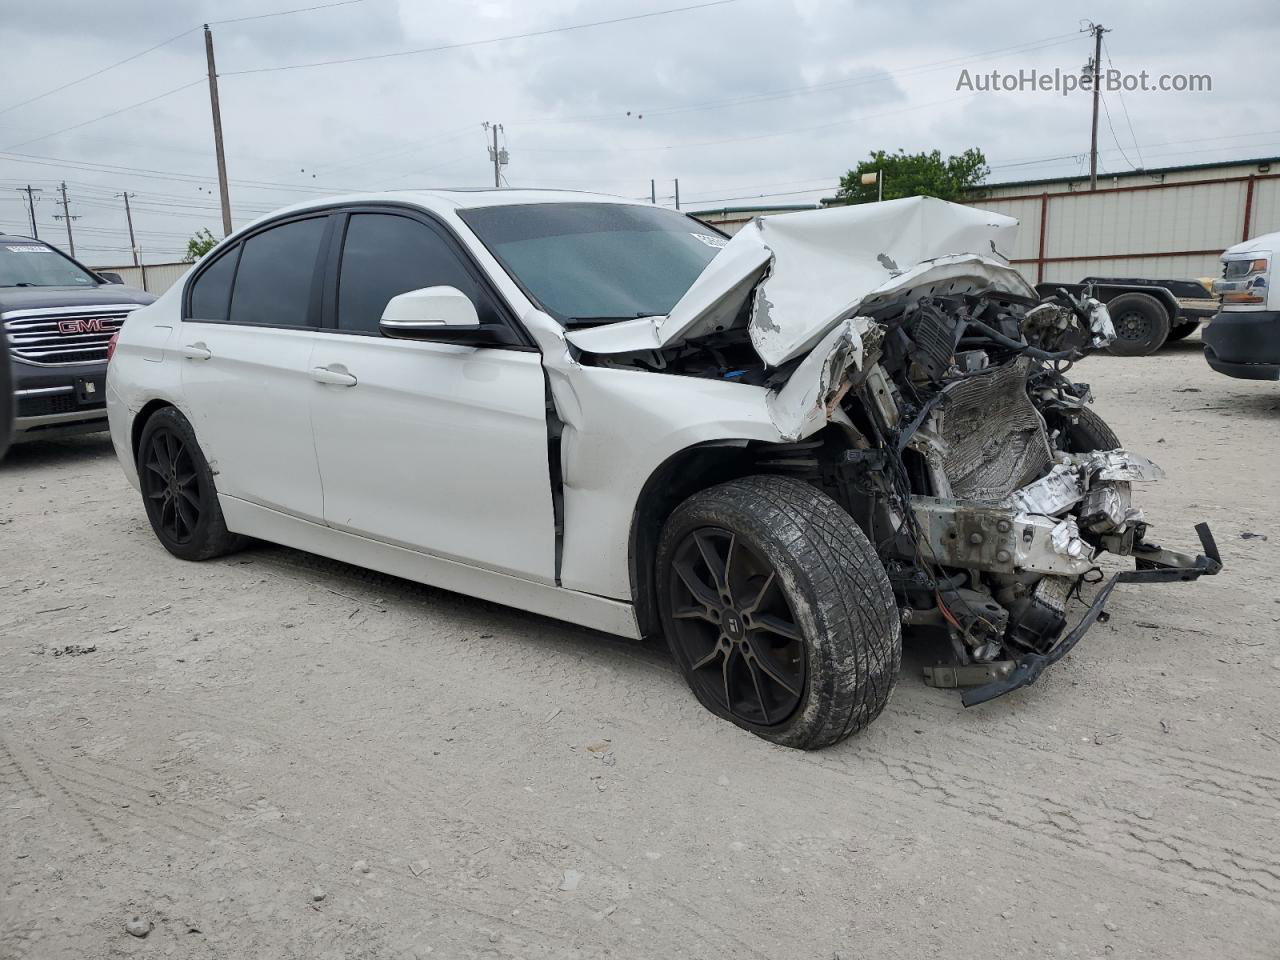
[(1170, 222)]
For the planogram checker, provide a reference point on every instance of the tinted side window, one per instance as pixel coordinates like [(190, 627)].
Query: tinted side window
[(211, 293), (384, 255), (277, 270)]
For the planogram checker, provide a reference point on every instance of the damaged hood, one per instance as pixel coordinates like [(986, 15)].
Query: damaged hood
[(805, 272)]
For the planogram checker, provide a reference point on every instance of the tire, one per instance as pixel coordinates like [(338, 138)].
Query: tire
[(178, 490), (1181, 331), (1141, 322), (1084, 432), (801, 642)]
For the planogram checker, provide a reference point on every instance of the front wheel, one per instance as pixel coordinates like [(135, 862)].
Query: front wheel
[(778, 611), (178, 491)]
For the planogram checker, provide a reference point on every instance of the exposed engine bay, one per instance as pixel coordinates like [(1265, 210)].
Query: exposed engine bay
[(939, 411)]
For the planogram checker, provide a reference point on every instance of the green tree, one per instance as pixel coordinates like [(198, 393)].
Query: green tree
[(201, 242), (916, 174)]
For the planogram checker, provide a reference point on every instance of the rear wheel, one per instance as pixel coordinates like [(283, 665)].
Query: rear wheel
[(778, 611), (1141, 322), (178, 490)]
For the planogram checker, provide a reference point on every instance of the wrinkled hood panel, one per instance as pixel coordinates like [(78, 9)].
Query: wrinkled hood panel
[(805, 272)]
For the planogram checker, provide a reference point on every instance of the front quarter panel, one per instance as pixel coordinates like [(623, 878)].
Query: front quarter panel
[(619, 427), (143, 369)]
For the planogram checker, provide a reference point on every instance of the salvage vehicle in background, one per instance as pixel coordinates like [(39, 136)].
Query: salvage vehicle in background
[(1146, 314), (775, 449), (1243, 340), (59, 316)]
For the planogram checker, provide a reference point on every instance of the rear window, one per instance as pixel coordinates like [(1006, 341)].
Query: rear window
[(277, 270)]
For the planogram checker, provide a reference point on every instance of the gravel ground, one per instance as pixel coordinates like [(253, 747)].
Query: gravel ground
[(271, 755)]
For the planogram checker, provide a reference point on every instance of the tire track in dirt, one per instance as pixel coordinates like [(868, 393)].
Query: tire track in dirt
[(1131, 756), (1083, 827)]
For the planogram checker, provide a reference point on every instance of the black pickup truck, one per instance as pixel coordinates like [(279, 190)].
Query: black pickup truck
[(1147, 314), (58, 317)]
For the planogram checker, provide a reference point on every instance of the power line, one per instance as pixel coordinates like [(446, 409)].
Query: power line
[(285, 13), (1107, 111), (477, 43), (85, 123), (164, 43), (97, 73), (882, 77), (1124, 106)]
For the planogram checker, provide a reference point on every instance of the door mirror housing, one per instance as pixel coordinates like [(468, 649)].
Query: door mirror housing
[(431, 313), (110, 277)]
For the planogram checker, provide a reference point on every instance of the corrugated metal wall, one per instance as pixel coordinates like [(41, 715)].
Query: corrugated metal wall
[(1175, 229), (154, 277)]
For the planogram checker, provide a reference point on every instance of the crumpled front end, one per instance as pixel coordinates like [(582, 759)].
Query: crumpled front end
[(917, 378)]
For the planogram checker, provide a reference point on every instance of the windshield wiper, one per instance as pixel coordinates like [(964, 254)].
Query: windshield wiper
[(596, 321), (24, 283)]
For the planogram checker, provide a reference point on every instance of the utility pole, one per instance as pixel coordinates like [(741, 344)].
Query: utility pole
[(653, 192), (498, 156), (31, 207), (1094, 68), (128, 216), (66, 215), (677, 193), (217, 132)]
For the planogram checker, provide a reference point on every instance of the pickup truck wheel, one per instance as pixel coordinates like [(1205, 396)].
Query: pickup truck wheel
[(778, 611), (178, 492), (1141, 322), (1182, 330)]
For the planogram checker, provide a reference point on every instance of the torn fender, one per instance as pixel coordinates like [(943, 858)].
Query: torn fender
[(812, 396)]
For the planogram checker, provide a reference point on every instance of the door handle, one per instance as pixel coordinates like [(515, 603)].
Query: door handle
[(335, 374), (196, 351)]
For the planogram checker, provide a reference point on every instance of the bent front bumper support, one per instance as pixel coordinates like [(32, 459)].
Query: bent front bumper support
[(1155, 566)]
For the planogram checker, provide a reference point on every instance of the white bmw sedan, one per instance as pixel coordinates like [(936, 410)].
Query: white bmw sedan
[(609, 413)]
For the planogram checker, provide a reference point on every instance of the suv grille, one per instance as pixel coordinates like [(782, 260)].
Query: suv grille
[(64, 335)]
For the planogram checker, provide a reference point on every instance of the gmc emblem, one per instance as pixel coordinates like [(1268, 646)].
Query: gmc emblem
[(85, 325)]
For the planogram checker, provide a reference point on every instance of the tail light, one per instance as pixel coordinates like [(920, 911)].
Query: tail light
[(111, 345)]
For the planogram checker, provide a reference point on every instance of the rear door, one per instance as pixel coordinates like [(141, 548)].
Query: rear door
[(250, 322), (437, 447)]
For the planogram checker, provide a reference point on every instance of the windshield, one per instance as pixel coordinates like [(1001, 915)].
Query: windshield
[(29, 263), (591, 263)]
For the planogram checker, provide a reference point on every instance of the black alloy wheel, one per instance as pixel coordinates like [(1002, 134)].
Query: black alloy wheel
[(171, 485), (178, 490), (735, 628), (778, 611)]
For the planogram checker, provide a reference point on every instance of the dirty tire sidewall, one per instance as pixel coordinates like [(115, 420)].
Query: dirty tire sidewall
[(838, 591), (1141, 322), (210, 537)]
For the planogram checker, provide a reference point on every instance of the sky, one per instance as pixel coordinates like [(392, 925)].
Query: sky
[(746, 102)]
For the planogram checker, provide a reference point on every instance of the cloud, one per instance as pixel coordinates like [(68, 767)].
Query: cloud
[(755, 97)]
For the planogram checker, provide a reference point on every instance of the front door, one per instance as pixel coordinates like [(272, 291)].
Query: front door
[(249, 328), (436, 447)]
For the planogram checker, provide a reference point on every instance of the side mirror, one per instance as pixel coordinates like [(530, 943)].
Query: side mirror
[(110, 277), (432, 313)]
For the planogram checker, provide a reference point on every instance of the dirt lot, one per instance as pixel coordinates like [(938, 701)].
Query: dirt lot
[(271, 755)]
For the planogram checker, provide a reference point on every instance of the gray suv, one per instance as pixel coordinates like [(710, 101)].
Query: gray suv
[(59, 317)]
